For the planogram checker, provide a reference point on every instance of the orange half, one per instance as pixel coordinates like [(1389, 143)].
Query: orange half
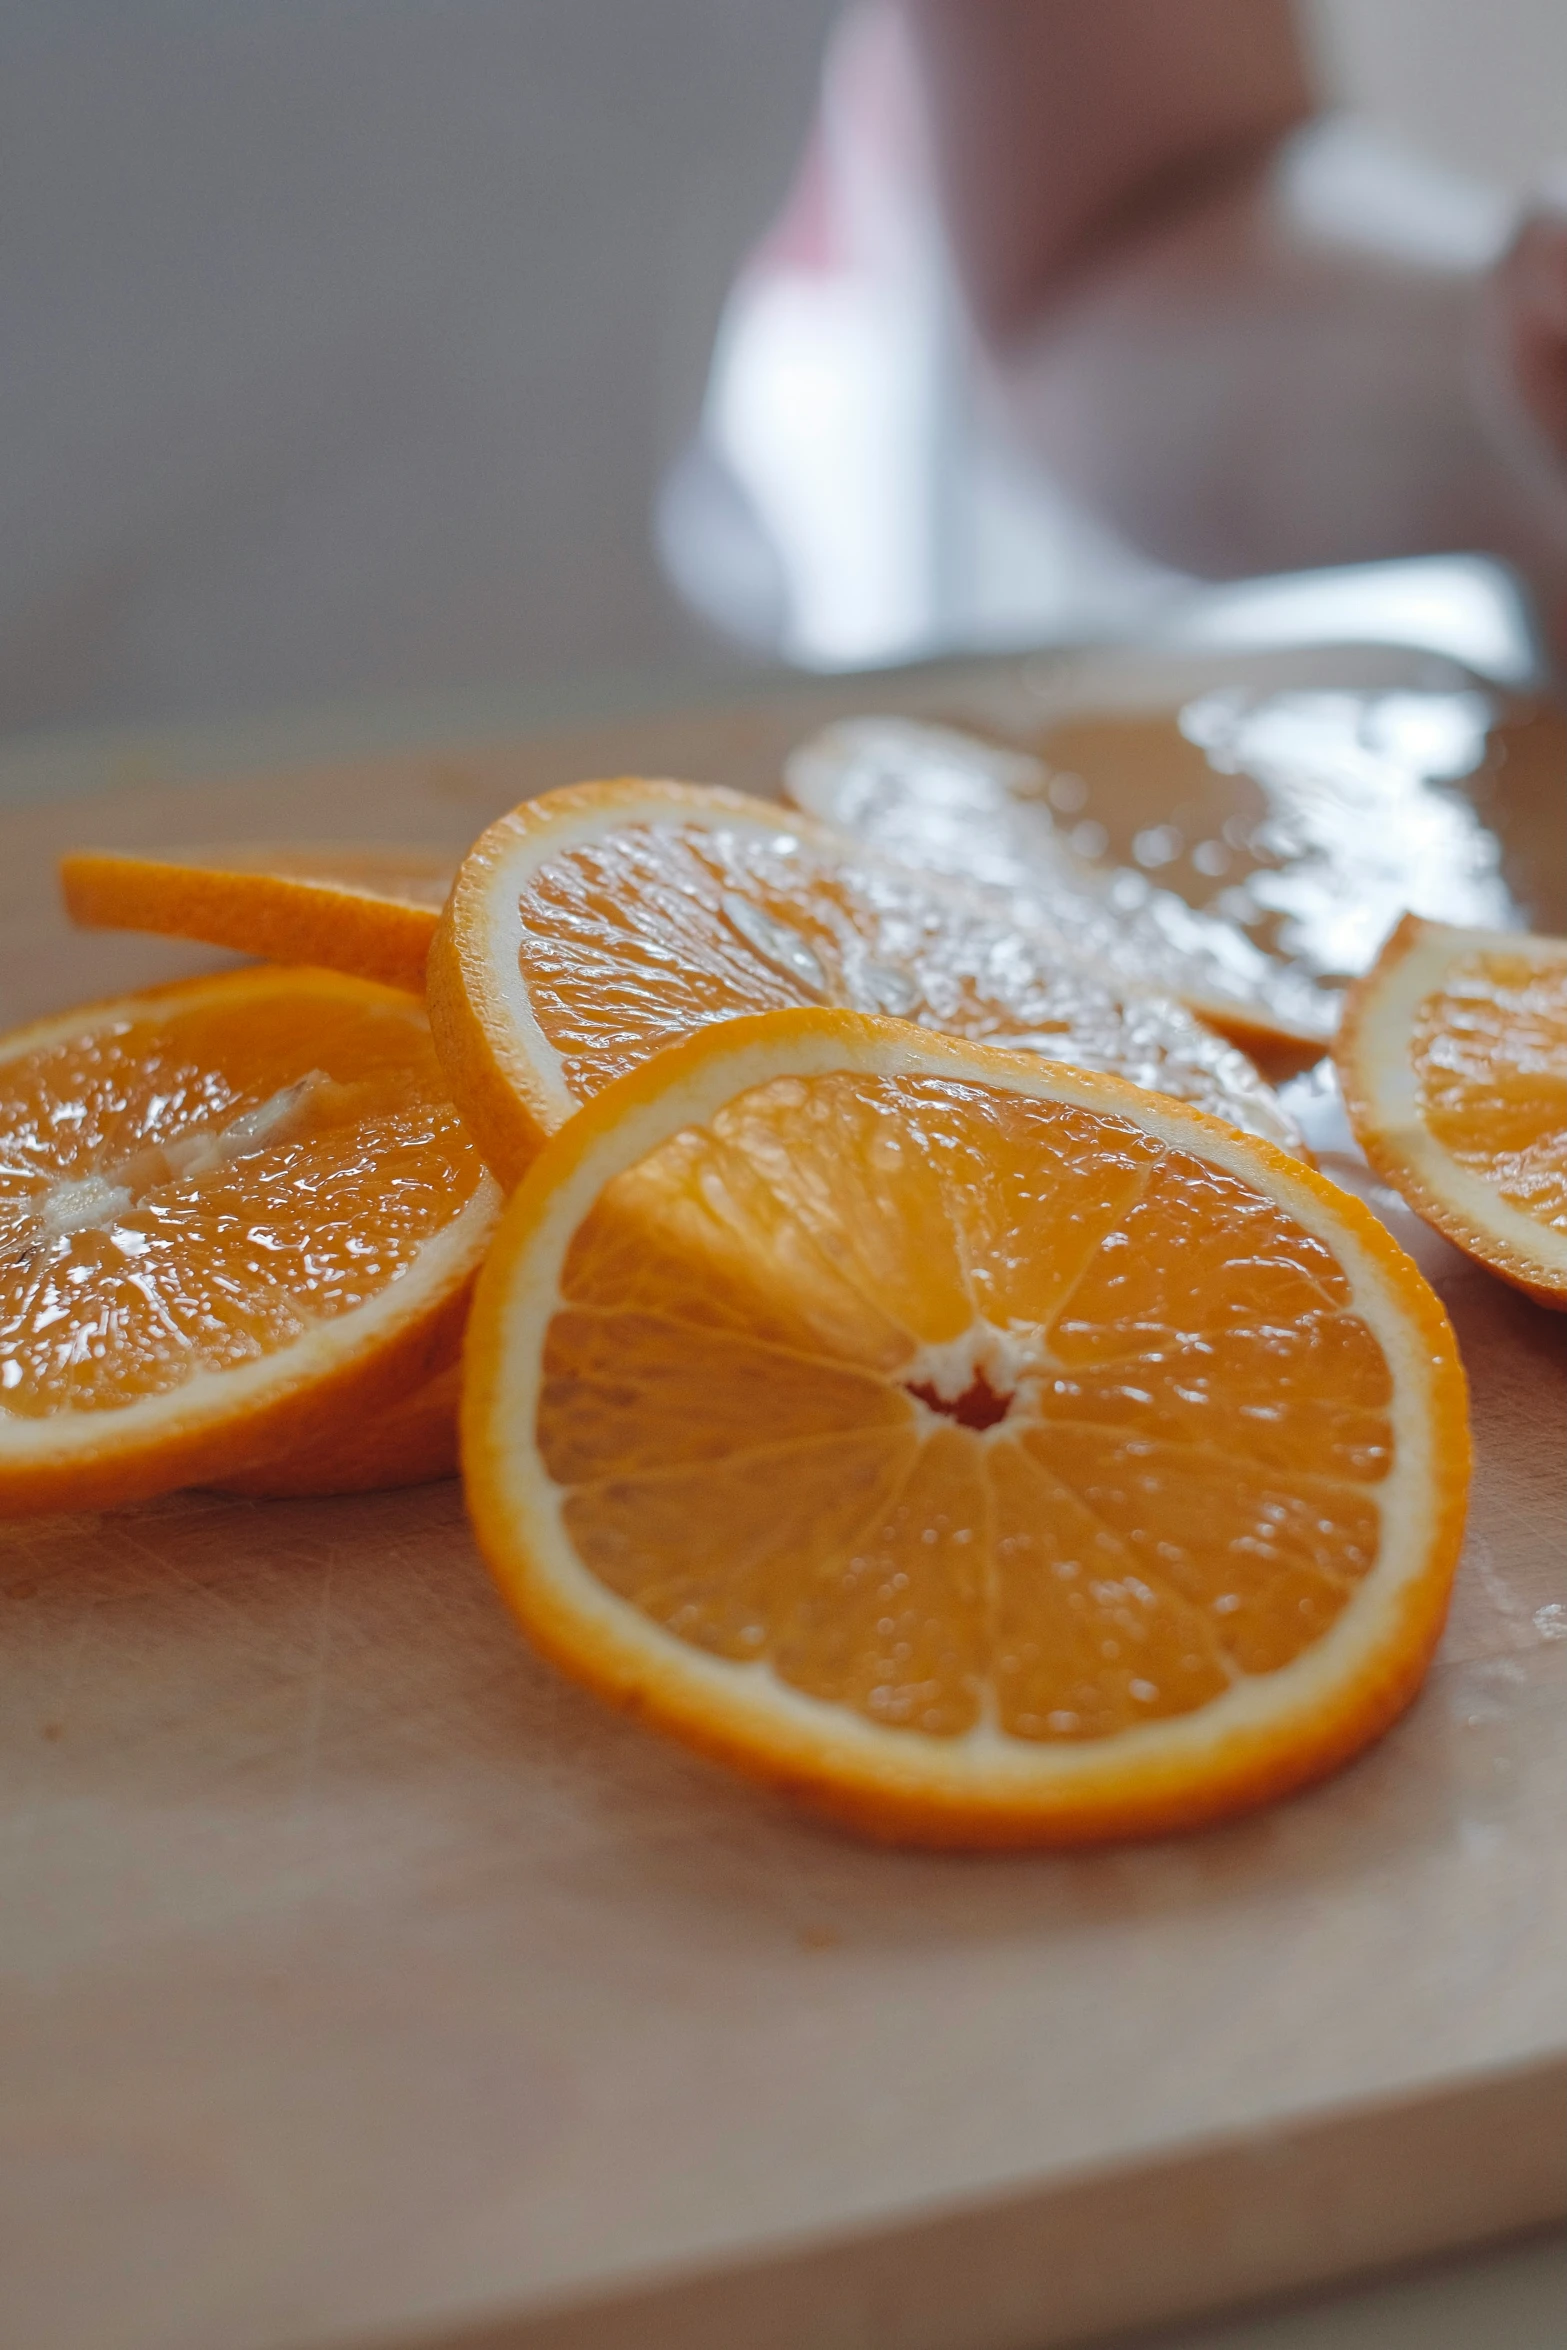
[(1453, 1063), (238, 1216)]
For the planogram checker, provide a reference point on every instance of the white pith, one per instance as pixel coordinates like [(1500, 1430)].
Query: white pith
[(628, 1646), (1011, 1362), (1384, 1075), (96, 1202)]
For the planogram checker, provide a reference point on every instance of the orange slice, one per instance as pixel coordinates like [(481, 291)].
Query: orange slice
[(979, 1450), (1453, 1063), (347, 907), (946, 802), (591, 927), (236, 1215)]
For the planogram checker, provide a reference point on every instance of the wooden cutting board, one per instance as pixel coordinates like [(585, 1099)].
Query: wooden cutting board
[(366, 1985)]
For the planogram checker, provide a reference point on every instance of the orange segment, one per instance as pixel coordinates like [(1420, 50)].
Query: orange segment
[(982, 1450), (593, 926), (1453, 1062), (720, 1554), (893, 1628), (1085, 1644), (360, 908), (1195, 1231), (233, 1213)]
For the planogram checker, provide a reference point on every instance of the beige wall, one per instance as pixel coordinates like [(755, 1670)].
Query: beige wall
[(1480, 84), (343, 346)]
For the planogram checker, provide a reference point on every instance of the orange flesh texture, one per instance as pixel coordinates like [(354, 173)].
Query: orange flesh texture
[(200, 1271), (1489, 1050), (633, 940), (1179, 1490), (948, 802)]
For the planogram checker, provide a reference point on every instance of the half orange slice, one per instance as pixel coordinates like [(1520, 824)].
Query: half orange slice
[(1453, 1063), (237, 1216)]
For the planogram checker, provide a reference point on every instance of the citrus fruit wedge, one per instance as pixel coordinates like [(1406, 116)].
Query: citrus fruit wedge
[(594, 925), (348, 907), (946, 802), (1453, 1065), (980, 1450), (236, 1215)]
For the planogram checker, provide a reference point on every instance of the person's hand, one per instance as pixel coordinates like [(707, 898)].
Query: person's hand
[(1531, 310), (1525, 313)]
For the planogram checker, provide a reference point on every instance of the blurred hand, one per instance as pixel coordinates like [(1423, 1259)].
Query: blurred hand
[(1523, 391), (1530, 310), (1247, 335)]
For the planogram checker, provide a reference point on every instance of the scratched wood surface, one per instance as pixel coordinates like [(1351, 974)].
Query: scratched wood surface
[(365, 1985)]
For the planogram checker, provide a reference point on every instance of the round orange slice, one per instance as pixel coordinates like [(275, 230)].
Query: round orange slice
[(595, 925), (237, 1216), (947, 802), (1453, 1063), (979, 1450), (359, 908)]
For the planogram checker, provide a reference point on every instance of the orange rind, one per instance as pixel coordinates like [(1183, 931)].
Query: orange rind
[(355, 907), (412, 1441)]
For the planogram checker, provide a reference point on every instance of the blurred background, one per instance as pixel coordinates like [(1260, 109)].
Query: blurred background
[(371, 346)]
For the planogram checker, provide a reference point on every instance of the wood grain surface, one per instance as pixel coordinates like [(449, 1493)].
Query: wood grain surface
[(363, 1984)]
